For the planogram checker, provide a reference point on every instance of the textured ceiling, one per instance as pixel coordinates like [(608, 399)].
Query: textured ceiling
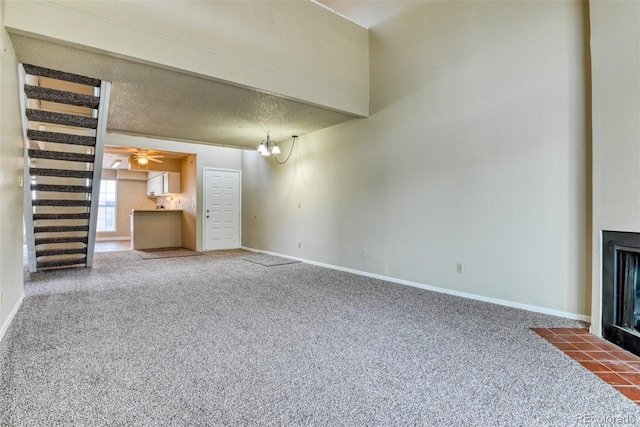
[(153, 101)]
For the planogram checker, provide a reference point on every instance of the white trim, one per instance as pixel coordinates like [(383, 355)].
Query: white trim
[(108, 239), (27, 207), (506, 303), (339, 14), (13, 313), (98, 153)]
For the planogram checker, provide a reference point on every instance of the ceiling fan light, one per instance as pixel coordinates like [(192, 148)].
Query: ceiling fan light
[(142, 161)]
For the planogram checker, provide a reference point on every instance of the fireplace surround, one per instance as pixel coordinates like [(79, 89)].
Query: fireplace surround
[(621, 289)]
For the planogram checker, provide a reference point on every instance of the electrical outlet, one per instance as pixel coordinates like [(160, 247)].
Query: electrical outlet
[(299, 205), (364, 253), (299, 245), (20, 181), (0, 297), (460, 268)]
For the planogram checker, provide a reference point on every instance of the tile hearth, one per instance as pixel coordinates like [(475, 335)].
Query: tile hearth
[(612, 364)]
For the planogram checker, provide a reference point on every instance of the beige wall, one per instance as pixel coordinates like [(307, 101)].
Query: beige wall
[(11, 166), (615, 62), (167, 165), (205, 156), (475, 153), (293, 48), (184, 200), (131, 194), (189, 188)]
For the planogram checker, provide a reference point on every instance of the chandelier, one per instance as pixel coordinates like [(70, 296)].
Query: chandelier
[(268, 147)]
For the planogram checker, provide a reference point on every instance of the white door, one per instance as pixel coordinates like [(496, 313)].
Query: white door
[(221, 209)]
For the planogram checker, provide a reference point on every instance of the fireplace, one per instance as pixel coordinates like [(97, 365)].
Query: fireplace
[(621, 289)]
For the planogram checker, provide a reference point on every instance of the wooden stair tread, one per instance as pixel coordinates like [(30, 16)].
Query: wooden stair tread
[(59, 216), (61, 75), (64, 173), (61, 119), (62, 262), (61, 240), (60, 228), (55, 252), (61, 138), (61, 97), (61, 188), (61, 155), (60, 202)]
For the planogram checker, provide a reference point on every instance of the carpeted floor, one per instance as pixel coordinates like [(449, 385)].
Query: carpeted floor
[(267, 260), (216, 340), (166, 253)]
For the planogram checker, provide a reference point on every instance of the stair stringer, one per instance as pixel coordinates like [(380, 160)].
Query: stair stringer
[(27, 207), (103, 110)]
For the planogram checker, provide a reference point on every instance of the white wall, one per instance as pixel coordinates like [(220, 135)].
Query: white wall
[(293, 48), (11, 166), (475, 152), (207, 156), (615, 62)]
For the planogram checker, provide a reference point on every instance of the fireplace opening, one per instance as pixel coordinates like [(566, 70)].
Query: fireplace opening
[(621, 289)]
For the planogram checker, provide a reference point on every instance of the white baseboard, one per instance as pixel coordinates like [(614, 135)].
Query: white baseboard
[(4, 328), (506, 303), (110, 239)]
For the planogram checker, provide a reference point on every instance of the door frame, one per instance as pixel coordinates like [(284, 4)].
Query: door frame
[(204, 204)]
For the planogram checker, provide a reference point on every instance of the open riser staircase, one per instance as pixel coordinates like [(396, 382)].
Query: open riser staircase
[(64, 121)]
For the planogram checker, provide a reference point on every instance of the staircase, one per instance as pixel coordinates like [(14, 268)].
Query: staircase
[(64, 121)]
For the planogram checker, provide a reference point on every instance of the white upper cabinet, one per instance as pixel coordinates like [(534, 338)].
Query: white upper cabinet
[(165, 183), (171, 182)]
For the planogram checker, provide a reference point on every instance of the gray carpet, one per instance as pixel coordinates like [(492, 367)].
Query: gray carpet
[(166, 253), (267, 260), (215, 340)]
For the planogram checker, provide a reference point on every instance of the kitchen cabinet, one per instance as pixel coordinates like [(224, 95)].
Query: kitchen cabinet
[(156, 228), (171, 183), (154, 186), (165, 183)]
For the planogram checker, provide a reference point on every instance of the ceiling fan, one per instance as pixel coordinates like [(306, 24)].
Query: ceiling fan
[(143, 157)]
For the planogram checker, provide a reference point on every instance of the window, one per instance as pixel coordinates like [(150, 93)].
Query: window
[(107, 206)]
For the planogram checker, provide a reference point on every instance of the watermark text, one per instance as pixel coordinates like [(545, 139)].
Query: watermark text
[(607, 420)]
